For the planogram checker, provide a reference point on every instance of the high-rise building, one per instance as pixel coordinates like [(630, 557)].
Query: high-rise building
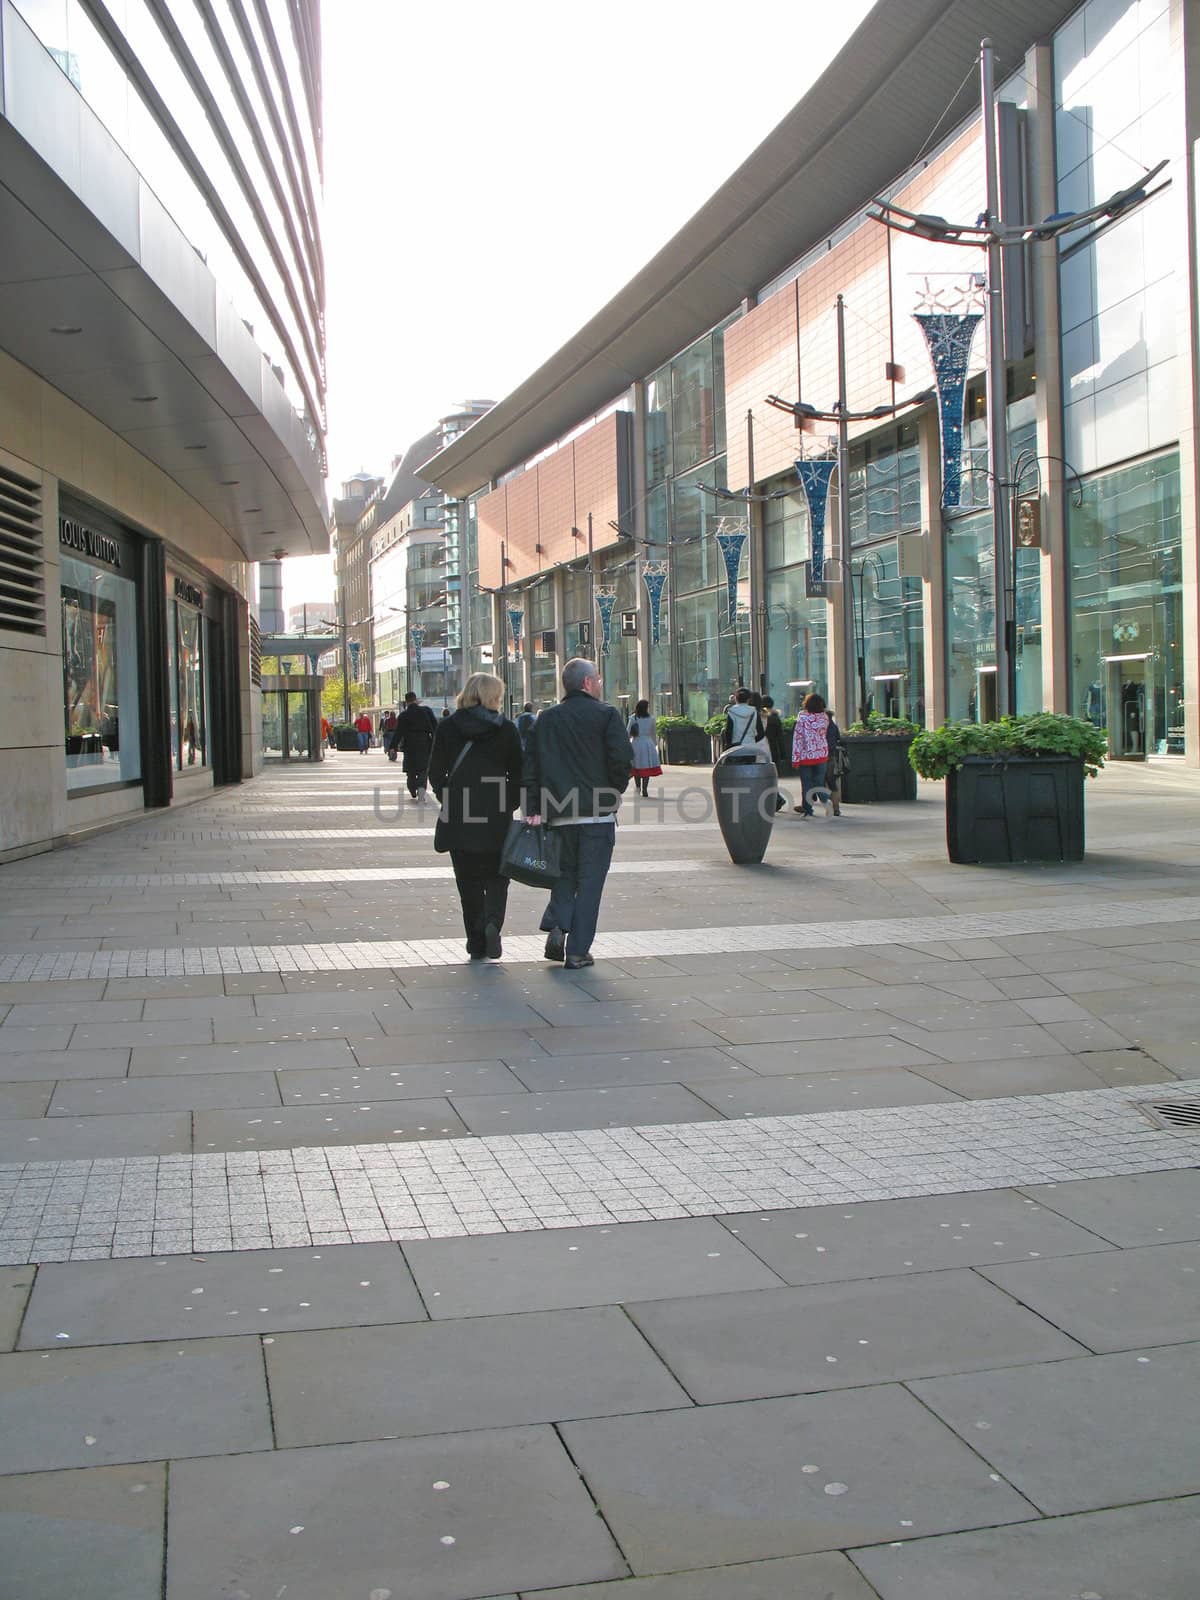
[(162, 389)]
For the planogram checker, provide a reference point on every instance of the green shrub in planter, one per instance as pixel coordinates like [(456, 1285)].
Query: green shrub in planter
[(684, 742), (877, 752), (1042, 735), (1014, 788)]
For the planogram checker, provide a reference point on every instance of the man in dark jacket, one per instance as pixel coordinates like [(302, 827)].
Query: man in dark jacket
[(525, 722), (578, 762), (415, 728)]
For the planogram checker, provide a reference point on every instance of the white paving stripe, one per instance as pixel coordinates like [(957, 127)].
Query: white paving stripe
[(171, 1205), (329, 875), (734, 941)]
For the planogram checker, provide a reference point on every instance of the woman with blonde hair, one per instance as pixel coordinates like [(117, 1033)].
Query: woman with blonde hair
[(475, 772)]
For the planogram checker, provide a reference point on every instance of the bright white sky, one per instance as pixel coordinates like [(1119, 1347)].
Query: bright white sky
[(495, 173)]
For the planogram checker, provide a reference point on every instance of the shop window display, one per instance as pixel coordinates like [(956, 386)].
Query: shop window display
[(100, 676)]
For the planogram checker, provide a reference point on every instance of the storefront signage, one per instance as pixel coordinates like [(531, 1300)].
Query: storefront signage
[(99, 546), (188, 592)]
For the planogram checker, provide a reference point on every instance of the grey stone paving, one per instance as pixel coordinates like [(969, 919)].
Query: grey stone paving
[(694, 1274)]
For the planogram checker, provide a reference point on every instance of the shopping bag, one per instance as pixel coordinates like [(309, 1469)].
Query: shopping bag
[(531, 854)]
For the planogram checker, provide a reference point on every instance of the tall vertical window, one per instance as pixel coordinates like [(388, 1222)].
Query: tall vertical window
[(98, 611), (191, 689)]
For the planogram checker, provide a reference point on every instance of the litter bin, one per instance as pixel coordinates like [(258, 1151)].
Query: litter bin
[(745, 790)]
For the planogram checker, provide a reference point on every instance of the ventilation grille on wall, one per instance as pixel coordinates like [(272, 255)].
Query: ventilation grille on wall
[(255, 653), (22, 568)]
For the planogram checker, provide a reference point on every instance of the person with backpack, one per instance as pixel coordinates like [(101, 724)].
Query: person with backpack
[(475, 772), (743, 726)]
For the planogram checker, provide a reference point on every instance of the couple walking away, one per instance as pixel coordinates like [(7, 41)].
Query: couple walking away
[(575, 766)]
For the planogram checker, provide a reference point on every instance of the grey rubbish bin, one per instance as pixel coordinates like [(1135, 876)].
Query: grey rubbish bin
[(744, 792)]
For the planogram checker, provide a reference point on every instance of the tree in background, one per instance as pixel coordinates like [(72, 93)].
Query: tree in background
[(333, 698)]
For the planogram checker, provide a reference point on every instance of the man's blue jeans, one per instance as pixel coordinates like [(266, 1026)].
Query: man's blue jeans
[(364, 740), (587, 850)]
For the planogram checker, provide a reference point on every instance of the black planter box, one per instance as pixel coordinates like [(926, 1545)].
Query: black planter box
[(879, 769), (686, 747), (1021, 809), (344, 739)]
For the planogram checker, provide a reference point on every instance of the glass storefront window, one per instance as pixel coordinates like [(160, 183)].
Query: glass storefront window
[(712, 659), (620, 666), (890, 632), (658, 427), (885, 484), (797, 641), (98, 611), (543, 664), (694, 517), (1126, 607), (192, 697), (693, 413), (970, 619)]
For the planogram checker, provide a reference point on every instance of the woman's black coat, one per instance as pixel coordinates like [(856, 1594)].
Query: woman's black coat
[(479, 799)]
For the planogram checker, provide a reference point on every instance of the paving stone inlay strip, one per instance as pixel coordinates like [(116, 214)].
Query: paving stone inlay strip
[(401, 953), (169, 1205)]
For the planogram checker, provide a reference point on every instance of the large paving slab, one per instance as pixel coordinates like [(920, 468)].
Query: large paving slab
[(287, 1127), (566, 1267), (825, 1244), (544, 1074), (1118, 1301), (818, 1577), (479, 1513), (86, 1534), (843, 1335), (131, 1402), (15, 1284), (428, 1049), (188, 1092), (1084, 1434), (208, 1058), (770, 1478), (314, 1086), (1145, 1208), (25, 1099), (832, 1055), (480, 1372), (64, 1139), (583, 1108), (25, 1066), (241, 1291), (825, 1091), (1147, 1552)]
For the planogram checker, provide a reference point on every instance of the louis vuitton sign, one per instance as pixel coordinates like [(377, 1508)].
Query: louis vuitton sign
[(99, 546)]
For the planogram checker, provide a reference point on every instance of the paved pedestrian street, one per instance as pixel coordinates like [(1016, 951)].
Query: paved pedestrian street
[(818, 1243)]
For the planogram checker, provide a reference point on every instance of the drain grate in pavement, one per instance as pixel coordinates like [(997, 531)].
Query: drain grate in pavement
[(1177, 1116)]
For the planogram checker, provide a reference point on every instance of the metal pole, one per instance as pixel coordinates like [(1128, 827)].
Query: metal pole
[(345, 659), (592, 587), (757, 676), (843, 475), (504, 627), (997, 407)]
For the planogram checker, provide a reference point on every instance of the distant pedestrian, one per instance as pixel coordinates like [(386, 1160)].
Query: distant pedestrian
[(445, 712), (839, 762), (642, 730), (326, 732), (577, 767), (387, 734), (525, 722), (810, 749), (415, 728), (777, 744), (362, 726), (475, 772)]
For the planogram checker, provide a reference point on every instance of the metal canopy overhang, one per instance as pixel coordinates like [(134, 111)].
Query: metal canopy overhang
[(217, 412), (852, 133)]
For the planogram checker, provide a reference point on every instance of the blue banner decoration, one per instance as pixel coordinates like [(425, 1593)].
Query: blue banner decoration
[(654, 576), (949, 338), (814, 475), (355, 647), (516, 618), (417, 634), (606, 600), (732, 534)]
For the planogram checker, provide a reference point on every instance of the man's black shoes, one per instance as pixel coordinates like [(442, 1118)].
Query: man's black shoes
[(556, 945), (573, 963)]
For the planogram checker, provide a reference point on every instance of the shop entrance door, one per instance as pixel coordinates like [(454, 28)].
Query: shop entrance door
[(291, 718), (888, 698), (298, 746), (985, 694), (1128, 711)]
